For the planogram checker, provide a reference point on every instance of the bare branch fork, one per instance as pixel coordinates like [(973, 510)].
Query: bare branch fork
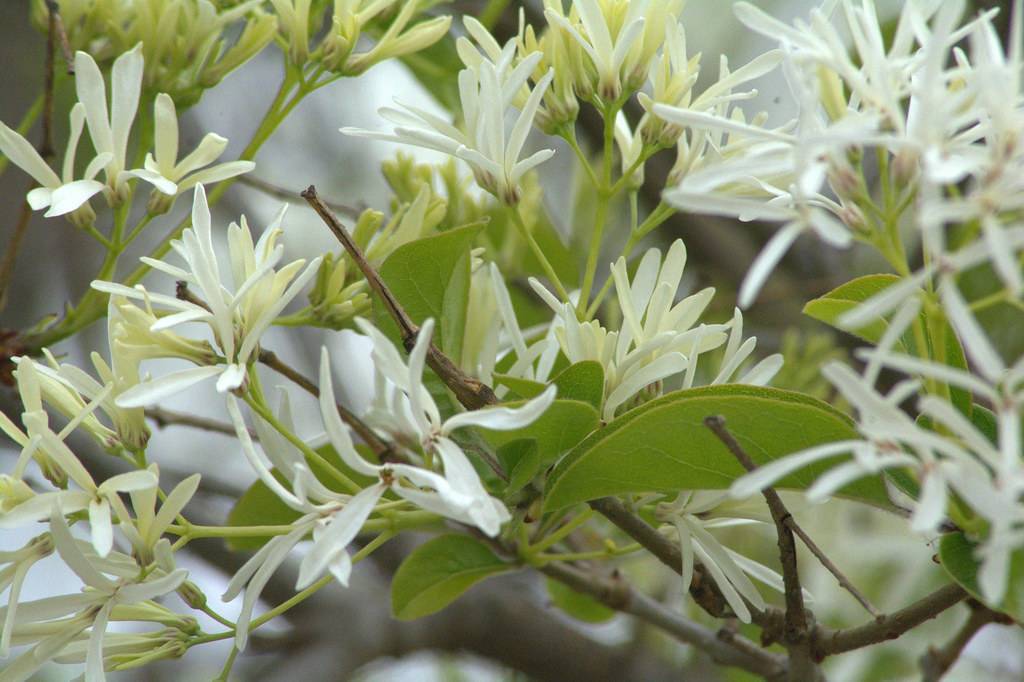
[(936, 661), (717, 425), (472, 393), (796, 619)]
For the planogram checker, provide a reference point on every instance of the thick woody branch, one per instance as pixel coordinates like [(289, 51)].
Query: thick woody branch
[(472, 393), (889, 626), (616, 593), (937, 661), (703, 589), (796, 619)]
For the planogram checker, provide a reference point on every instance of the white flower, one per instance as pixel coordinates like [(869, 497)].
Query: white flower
[(110, 132), (98, 500), (631, 146), (486, 91), (60, 194), (403, 410), (620, 37), (237, 318), (53, 623), (658, 338), (891, 439), (185, 173), (693, 513), (18, 562)]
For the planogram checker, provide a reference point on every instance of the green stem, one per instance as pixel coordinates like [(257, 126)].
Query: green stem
[(604, 196), (538, 253), (659, 215), (256, 402), (297, 599), (492, 13), (560, 534), (27, 121), (569, 135)]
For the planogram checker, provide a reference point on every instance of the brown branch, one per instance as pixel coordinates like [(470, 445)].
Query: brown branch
[(937, 661), (472, 393), (827, 643), (292, 196), (703, 589), (54, 35), (616, 593), (163, 418), (796, 620), (57, 27), (13, 246), (381, 448)]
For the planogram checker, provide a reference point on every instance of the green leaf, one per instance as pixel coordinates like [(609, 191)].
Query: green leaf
[(580, 606), (562, 426), (521, 460), (831, 306), (258, 506), (956, 553), (664, 445), (430, 278), (438, 571), (524, 388), (582, 381)]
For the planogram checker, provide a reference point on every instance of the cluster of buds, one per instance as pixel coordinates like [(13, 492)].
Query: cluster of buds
[(187, 44), (388, 22)]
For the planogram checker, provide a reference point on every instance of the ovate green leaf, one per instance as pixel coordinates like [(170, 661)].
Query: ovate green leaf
[(438, 571), (663, 445)]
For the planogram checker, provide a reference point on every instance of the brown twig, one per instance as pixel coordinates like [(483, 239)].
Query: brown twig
[(844, 582), (616, 593), (57, 27), (183, 293), (291, 196), (796, 638), (381, 448), (13, 246), (163, 418), (54, 35), (703, 589), (937, 661), (889, 626), (472, 393)]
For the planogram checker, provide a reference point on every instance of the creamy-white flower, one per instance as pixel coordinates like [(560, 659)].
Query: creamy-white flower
[(109, 132), (238, 318), (485, 91), (59, 194), (191, 170)]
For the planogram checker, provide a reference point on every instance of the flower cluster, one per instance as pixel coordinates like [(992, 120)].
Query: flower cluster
[(236, 318), (109, 131), (658, 339), (188, 45)]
